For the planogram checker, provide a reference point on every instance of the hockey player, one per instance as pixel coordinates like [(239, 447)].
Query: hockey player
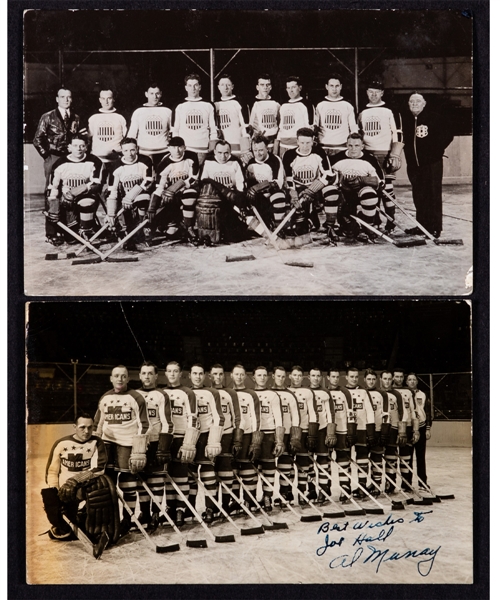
[(121, 421), (365, 427), (230, 120), (195, 119), (293, 433), (380, 404), (208, 446), (358, 177), (309, 181), (271, 425), (250, 450), (176, 187), (73, 194), (334, 118), (294, 114), (306, 403), (326, 433), (424, 415), (55, 130), (264, 113), (160, 440), (232, 436), (265, 180), (151, 125), (382, 138), (345, 428), (107, 128), (75, 461), (186, 433), (130, 189), (412, 427)]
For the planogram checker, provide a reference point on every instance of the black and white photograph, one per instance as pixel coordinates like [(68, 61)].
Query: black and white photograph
[(248, 152), (242, 442)]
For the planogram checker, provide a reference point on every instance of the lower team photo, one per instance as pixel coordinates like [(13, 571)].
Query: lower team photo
[(249, 442)]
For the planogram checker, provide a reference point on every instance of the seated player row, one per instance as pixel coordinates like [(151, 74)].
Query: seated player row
[(222, 199), (223, 439)]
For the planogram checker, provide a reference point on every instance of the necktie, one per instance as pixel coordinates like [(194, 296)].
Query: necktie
[(66, 119)]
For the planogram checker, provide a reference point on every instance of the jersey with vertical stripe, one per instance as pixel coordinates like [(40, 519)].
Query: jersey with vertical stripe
[(343, 410), (209, 408), (68, 457), (396, 407), (269, 170), (194, 122), (422, 408), (408, 405), (293, 115), (362, 406), (264, 116), (184, 407), (150, 126), (289, 409), (159, 413), (377, 402), (249, 410), (335, 121), (120, 416), (125, 175), (306, 403), (324, 406), (230, 409), (271, 415), (107, 129)]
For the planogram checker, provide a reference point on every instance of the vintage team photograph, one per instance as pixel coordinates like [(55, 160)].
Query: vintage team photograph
[(248, 153), (246, 442)]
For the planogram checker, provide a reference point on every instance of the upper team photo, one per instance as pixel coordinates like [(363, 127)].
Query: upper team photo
[(248, 153)]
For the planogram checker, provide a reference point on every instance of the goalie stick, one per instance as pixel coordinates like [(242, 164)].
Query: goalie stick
[(96, 549)]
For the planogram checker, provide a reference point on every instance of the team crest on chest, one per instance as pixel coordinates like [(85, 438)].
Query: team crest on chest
[(153, 125), (422, 131)]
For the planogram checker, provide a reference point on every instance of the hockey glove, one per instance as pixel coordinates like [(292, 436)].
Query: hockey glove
[(67, 195), (169, 193), (255, 446), (256, 189), (279, 441), (295, 439), (416, 437), (306, 197), (213, 447), (79, 190), (351, 437), (102, 508), (137, 460), (402, 440), (312, 436), (237, 441), (385, 429), (163, 455), (331, 438), (370, 434), (294, 198), (187, 451), (67, 492)]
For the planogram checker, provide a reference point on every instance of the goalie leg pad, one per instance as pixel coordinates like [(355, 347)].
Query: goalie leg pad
[(53, 509), (102, 508)]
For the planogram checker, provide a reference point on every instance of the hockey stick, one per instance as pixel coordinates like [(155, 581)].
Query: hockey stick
[(260, 527), (405, 244), (157, 549), (80, 239), (248, 531), (370, 511), (216, 538), (327, 515), (421, 500), (285, 220), (437, 241), (395, 504), (96, 549), (273, 525), (301, 493), (434, 497), (365, 490), (189, 543), (358, 510)]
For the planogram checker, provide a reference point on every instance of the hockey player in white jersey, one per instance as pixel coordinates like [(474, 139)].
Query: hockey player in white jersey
[(264, 113), (294, 114), (424, 415), (151, 125), (229, 111)]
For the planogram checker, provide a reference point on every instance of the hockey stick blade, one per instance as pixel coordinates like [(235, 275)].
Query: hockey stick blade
[(253, 530), (123, 259), (353, 512), (240, 258), (196, 543), (446, 496), (171, 548), (60, 255), (397, 505), (334, 515), (294, 263), (223, 539), (374, 511), (101, 545), (310, 518), (275, 526), (86, 261), (449, 242), (422, 501)]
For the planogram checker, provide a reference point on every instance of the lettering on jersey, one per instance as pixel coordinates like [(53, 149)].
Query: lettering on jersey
[(333, 119), (419, 400), (194, 119), (372, 127), (301, 405), (407, 403), (75, 462), (152, 413), (177, 410), (203, 409), (244, 410), (320, 408), (285, 408), (422, 131), (269, 118), (153, 126), (73, 180), (225, 119), (224, 408), (224, 178), (358, 406), (305, 174), (288, 121), (115, 416), (392, 404), (265, 409), (339, 407), (105, 132)]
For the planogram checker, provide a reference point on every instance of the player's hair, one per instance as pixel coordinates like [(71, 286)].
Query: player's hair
[(119, 367), (197, 365), (279, 368), (173, 362), (148, 363), (64, 89), (333, 370), (217, 366), (177, 141), (297, 368), (260, 139), (225, 76), (107, 89), (82, 415), (239, 366), (314, 369), (79, 136), (398, 370), (335, 76), (306, 132), (411, 373), (386, 373), (265, 76), (129, 140), (356, 135), (369, 372), (352, 370), (293, 78), (260, 367), (152, 86), (222, 143), (192, 76)]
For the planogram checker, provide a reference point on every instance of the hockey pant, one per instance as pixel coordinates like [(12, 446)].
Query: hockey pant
[(391, 458), (284, 465), (406, 453), (129, 485), (323, 459), (224, 466), (272, 207), (361, 454), (179, 472), (376, 454), (305, 468)]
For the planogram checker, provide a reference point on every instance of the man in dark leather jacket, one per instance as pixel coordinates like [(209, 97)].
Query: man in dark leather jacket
[(54, 131)]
